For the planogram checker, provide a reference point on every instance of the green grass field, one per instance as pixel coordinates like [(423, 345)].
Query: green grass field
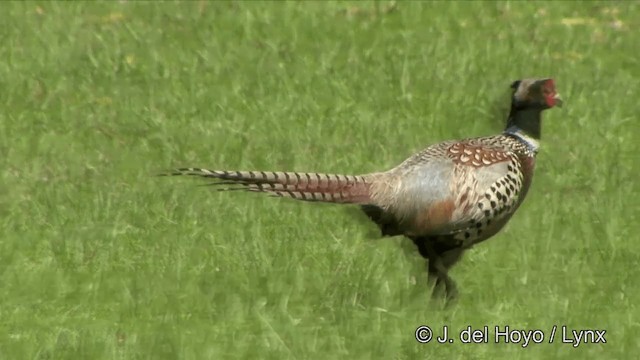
[(99, 259)]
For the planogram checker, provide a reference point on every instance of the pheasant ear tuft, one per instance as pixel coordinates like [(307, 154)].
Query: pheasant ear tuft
[(515, 84)]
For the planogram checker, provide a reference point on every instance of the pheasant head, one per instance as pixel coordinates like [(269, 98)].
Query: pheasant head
[(530, 98), (535, 93)]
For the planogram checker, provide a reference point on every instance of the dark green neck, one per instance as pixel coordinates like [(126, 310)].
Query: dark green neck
[(526, 120)]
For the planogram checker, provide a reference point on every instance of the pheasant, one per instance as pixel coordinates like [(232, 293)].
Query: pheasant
[(445, 198)]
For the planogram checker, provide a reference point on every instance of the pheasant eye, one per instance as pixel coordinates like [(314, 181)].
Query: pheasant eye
[(549, 87)]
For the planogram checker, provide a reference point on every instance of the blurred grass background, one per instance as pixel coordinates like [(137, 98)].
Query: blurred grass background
[(98, 259)]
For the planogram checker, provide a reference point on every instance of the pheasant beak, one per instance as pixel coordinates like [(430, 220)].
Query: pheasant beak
[(557, 100)]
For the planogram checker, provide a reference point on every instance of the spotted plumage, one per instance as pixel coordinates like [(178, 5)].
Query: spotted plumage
[(446, 198)]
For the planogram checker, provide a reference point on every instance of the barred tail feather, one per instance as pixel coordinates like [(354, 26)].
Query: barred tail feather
[(351, 189)]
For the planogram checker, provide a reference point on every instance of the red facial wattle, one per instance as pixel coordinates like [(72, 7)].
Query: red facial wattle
[(551, 96)]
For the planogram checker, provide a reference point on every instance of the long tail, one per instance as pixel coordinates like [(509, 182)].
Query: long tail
[(347, 189)]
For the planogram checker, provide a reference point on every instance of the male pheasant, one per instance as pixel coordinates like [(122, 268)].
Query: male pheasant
[(446, 198)]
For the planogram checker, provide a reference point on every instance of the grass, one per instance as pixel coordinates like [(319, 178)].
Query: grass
[(98, 259)]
